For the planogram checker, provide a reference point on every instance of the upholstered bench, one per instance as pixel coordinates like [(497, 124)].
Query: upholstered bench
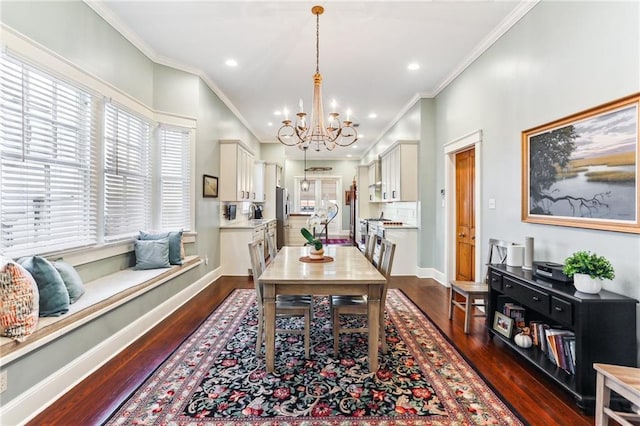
[(101, 296)]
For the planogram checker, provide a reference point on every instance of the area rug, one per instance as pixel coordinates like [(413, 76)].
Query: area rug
[(337, 241), (215, 378)]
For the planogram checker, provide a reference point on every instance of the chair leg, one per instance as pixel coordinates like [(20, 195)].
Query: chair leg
[(451, 296), (467, 313), (307, 333), (259, 337), (336, 331)]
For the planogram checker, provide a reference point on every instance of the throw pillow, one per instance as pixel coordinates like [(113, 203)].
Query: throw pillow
[(18, 301), (152, 254), (72, 280), (175, 241), (54, 297)]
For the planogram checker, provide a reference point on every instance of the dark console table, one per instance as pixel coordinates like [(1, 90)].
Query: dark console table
[(604, 325)]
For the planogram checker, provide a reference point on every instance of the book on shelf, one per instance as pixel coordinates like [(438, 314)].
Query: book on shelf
[(557, 353), (516, 312)]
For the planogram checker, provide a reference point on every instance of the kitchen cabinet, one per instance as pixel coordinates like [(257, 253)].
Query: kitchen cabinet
[(399, 172), (236, 172), (405, 259), (234, 246), (259, 170), (603, 326), (375, 182)]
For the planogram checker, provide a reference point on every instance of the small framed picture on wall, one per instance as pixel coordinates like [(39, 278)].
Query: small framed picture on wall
[(209, 186)]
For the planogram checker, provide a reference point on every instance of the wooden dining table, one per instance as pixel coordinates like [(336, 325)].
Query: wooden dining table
[(349, 273)]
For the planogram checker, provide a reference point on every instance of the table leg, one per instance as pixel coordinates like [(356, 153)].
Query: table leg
[(270, 325), (603, 395), (373, 305)]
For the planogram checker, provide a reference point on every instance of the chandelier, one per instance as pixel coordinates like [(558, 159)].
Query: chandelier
[(316, 132)]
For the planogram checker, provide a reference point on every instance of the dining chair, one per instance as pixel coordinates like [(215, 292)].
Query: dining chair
[(474, 293), (357, 305), (369, 246), (290, 306), (271, 246)]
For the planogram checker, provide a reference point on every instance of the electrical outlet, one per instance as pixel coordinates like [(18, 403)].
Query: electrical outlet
[(3, 381)]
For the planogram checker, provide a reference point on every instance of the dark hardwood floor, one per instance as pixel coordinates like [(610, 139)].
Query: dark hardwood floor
[(538, 401)]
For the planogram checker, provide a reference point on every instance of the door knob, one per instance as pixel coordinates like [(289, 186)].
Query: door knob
[(461, 235)]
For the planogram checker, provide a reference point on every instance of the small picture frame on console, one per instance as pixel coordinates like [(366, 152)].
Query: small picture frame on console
[(503, 324)]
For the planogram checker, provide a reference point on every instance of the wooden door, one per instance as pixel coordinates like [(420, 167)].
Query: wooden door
[(465, 216)]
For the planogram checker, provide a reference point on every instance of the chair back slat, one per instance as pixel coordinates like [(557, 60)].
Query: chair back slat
[(369, 246), (256, 253), (271, 245)]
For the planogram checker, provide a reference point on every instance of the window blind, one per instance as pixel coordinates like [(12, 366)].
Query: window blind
[(48, 169), (175, 178), (127, 174)]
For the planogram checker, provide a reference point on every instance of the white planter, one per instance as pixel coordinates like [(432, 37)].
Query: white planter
[(585, 284)]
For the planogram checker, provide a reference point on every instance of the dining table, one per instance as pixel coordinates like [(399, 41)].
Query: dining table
[(344, 270)]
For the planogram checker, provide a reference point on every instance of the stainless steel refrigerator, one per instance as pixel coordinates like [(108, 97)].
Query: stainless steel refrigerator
[(282, 215)]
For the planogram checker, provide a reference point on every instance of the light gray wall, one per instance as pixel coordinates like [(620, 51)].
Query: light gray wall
[(561, 58)]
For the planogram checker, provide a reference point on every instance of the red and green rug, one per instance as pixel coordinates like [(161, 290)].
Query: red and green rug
[(215, 378)]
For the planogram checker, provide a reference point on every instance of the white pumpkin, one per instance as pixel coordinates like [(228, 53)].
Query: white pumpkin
[(523, 340)]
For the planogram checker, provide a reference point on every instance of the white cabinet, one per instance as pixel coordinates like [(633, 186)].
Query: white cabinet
[(374, 180), (400, 172), (272, 179), (234, 247), (259, 189), (236, 172), (405, 259)]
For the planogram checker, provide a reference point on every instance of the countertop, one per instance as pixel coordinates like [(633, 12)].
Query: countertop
[(403, 226), (251, 224)]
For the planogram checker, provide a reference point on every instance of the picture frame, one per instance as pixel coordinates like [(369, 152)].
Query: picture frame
[(209, 186), (502, 324), (583, 170)]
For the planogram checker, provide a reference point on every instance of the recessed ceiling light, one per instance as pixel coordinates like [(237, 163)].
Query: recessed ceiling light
[(354, 146), (269, 124), (231, 63), (277, 112), (373, 115), (413, 66), (349, 155), (360, 136)]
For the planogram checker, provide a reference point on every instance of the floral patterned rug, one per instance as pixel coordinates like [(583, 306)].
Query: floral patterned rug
[(215, 378)]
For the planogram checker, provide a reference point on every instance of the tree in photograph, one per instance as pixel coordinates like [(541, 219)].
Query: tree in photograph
[(550, 152)]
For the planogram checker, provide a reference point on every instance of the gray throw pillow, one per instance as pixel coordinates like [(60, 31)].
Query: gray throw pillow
[(175, 242), (152, 254), (72, 280), (54, 297)]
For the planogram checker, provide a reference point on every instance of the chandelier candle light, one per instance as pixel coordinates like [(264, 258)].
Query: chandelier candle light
[(317, 132)]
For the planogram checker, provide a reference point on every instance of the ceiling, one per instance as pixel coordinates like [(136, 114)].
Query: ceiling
[(365, 48)]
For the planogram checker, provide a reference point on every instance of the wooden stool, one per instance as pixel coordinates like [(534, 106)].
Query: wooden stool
[(625, 381), (470, 291)]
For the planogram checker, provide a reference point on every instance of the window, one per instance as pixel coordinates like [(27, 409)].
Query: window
[(48, 190), (127, 174), (175, 178), (322, 191)]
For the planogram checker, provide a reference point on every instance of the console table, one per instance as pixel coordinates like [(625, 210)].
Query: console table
[(604, 325)]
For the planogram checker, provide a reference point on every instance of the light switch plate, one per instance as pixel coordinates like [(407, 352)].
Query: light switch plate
[(492, 203)]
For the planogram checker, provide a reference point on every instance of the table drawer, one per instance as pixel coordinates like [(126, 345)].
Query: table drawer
[(528, 296), (495, 281), (561, 311)]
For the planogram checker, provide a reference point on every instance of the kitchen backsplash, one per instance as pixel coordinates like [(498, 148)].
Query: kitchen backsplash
[(405, 212)]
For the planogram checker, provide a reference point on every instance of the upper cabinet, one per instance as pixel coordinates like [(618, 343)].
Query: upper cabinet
[(259, 189), (399, 170), (375, 182), (236, 172)]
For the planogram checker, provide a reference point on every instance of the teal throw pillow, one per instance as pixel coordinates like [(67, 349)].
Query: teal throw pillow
[(152, 254), (71, 278), (54, 297), (175, 243)]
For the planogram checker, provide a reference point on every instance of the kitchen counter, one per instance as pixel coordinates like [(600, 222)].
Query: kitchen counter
[(392, 227), (251, 224)]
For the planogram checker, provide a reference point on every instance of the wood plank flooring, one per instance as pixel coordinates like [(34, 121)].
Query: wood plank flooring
[(538, 401)]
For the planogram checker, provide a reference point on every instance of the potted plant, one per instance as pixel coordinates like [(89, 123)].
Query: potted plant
[(588, 271), (317, 252)]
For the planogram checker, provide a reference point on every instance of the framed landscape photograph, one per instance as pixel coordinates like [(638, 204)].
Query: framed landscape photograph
[(582, 170), (209, 186), (503, 324)]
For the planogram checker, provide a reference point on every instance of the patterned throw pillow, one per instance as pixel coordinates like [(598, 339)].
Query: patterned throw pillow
[(18, 301)]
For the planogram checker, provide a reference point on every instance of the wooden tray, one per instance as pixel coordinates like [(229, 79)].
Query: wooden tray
[(307, 259)]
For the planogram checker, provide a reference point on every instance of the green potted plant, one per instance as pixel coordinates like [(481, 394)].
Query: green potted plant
[(588, 271), (317, 252)]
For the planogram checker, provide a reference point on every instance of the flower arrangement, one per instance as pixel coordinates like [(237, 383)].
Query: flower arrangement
[(315, 242), (585, 262)]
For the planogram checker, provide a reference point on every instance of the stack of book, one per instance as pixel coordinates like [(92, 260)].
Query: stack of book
[(557, 343), (516, 312)]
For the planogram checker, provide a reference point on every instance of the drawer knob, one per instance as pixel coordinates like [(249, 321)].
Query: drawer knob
[(536, 298), (559, 309), (508, 286)]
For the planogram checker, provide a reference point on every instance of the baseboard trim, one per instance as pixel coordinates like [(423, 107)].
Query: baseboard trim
[(431, 273), (30, 403)]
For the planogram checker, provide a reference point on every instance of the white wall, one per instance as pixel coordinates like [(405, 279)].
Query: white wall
[(561, 58)]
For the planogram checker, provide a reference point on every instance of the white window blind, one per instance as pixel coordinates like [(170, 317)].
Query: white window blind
[(175, 178), (127, 174), (48, 179)]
